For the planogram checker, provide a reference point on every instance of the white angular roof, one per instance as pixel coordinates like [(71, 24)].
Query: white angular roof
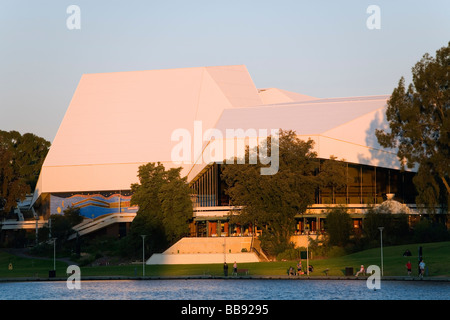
[(119, 121), (340, 127), (275, 95), (305, 117)]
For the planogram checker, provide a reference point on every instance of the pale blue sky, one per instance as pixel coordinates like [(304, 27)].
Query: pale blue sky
[(318, 48)]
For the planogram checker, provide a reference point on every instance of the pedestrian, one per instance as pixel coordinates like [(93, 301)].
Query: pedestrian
[(299, 267), (225, 269), (408, 267), (422, 268), (235, 268)]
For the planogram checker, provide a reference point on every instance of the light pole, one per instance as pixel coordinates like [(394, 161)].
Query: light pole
[(381, 241), (307, 250), (54, 253), (143, 255), (224, 250)]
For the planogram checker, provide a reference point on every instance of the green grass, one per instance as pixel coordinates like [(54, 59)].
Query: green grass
[(436, 256), (24, 267)]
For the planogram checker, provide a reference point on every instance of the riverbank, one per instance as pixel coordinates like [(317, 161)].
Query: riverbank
[(231, 278), (436, 256)]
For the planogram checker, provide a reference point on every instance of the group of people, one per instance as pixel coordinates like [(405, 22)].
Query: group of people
[(421, 268), (225, 269), (292, 272)]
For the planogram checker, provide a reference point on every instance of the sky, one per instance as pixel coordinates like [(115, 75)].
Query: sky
[(318, 48)]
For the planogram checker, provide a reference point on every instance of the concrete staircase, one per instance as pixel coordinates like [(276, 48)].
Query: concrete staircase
[(207, 250)]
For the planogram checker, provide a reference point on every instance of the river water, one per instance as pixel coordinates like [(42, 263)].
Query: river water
[(216, 289)]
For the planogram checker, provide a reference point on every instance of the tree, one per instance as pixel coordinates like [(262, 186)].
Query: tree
[(21, 158), (12, 187), (430, 231), (339, 227), (274, 200), (72, 214), (420, 126), (61, 225), (165, 207), (396, 227), (176, 205)]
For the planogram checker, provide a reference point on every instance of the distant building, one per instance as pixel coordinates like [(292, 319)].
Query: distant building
[(119, 121)]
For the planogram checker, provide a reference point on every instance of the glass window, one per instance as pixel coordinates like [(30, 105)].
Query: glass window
[(354, 184), (340, 195), (395, 182), (326, 195), (382, 178), (368, 184), (409, 190)]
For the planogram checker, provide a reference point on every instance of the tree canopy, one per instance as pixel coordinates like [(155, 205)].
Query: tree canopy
[(420, 126), (165, 207), (339, 226), (273, 201), (21, 159)]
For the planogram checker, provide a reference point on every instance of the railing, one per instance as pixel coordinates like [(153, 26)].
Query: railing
[(219, 211), (26, 224), (101, 222)]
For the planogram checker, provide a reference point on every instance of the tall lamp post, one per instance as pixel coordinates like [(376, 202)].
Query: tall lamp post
[(143, 255), (54, 253), (307, 249), (381, 241)]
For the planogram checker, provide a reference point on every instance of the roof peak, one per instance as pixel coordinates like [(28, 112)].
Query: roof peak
[(168, 69)]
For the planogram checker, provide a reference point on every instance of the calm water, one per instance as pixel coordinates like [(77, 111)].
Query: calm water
[(226, 289)]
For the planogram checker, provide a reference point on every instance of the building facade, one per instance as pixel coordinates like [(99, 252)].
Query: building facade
[(119, 121)]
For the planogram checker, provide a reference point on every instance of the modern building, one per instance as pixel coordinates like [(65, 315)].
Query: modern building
[(119, 121)]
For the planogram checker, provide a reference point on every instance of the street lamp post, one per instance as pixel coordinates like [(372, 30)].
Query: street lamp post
[(307, 250), (54, 253), (143, 255), (381, 241)]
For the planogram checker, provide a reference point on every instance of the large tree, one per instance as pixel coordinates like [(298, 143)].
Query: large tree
[(274, 200), (339, 226), (419, 122), (165, 207), (21, 158)]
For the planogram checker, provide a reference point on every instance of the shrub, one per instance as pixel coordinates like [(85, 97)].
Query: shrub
[(339, 226), (428, 231), (290, 254), (336, 251)]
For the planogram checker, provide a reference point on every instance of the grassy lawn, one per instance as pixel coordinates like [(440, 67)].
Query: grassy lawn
[(436, 256), (23, 267)]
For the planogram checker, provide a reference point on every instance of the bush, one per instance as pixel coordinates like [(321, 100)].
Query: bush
[(290, 254), (428, 231), (86, 260), (339, 226), (396, 229), (336, 251), (318, 247)]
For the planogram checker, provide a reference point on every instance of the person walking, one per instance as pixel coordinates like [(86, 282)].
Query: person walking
[(422, 268), (225, 269), (299, 268), (408, 267), (235, 268)]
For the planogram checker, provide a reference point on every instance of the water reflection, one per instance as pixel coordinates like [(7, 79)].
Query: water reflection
[(239, 289)]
